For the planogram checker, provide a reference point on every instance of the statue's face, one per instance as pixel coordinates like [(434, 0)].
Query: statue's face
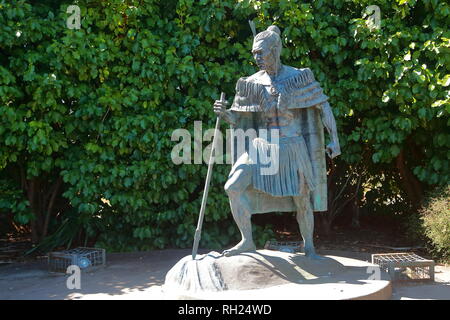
[(264, 57)]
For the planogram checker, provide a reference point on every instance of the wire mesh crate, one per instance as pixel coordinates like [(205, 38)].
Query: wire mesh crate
[(284, 246), (85, 258), (405, 266)]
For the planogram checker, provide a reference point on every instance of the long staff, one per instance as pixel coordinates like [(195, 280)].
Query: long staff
[(198, 231)]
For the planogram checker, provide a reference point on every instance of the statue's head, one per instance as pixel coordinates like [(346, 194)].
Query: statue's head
[(267, 49)]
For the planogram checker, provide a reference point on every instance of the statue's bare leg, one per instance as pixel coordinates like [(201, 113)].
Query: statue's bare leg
[(236, 188), (305, 219)]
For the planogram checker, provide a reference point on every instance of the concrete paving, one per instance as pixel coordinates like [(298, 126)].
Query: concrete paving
[(139, 275)]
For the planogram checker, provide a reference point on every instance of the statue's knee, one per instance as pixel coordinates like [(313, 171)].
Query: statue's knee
[(230, 188), (234, 187), (239, 180)]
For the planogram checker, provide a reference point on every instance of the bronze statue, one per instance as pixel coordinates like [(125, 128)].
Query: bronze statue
[(290, 104)]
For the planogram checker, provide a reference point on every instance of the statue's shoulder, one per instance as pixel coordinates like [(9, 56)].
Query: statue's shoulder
[(293, 78), (257, 77), (300, 73), (288, 73), (252, 84)]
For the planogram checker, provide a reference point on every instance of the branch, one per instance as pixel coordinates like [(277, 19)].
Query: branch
[(339, 209), (343, 188)]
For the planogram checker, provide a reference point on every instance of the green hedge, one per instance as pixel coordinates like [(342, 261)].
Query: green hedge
[(87, 114)]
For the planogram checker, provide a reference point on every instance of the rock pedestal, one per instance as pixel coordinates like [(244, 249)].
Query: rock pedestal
[(266, 274)]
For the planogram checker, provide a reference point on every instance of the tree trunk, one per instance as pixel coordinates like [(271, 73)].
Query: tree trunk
[(324, 223), (355, 216), (42, 202), (411, 185), (50, 205), (327, 227), (33, 224)]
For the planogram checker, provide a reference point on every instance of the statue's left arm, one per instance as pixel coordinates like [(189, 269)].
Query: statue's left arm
[(333, 148)]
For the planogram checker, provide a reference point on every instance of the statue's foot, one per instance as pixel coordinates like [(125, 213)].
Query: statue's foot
[(243, 246), (311, 254)]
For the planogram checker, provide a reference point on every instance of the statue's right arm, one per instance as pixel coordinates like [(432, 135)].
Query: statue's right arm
[(229, 117)]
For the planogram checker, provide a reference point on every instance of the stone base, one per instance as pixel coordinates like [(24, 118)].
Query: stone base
[(266, 274)]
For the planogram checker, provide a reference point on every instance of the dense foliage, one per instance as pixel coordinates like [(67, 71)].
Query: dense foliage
[(436, 222), (86, 116)]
